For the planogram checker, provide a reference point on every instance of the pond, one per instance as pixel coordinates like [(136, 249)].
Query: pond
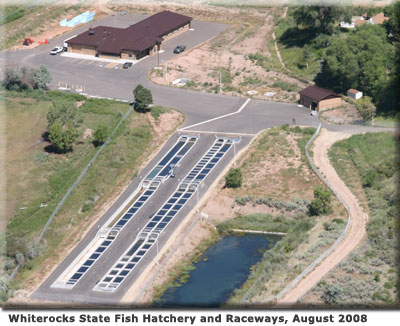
[(226, 266)]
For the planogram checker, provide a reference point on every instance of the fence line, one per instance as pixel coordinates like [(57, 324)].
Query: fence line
[(292, 284), (69, 191)]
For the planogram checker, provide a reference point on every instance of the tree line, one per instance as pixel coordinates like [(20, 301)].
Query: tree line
[(365, 58)]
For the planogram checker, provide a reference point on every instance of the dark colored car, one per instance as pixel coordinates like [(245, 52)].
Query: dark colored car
[(179, 49), (126, 65)]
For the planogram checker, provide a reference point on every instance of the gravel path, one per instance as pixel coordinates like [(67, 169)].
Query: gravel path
[(357, 228)]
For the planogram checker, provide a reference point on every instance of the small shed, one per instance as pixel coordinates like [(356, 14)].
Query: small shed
[(317, 98), (354, 94)]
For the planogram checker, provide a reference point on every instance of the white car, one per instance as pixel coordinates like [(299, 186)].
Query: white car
[(56, 50)]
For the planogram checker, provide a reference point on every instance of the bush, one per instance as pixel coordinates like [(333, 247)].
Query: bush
[(41, 77), (157, 111), (26, 79), (321, 202), (62, 137), (332, 294), (234, 178), (100, 135), (242, 201), (4, 288), (65, 113), (366, 109), (382, 295)]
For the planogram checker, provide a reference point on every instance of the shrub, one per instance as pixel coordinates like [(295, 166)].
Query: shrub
[(4, 288), (332, 294), (321, 202), (65, 113), (234, 178), (26, 79), (157, 111), (243, 200), (41, 77), (100, 135), (366, 109), (61, 137), (382, 295)]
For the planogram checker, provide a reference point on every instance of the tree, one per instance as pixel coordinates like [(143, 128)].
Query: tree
[(65, 113), (12, 80), (26, 78), (41, 77), (100, 135), (62, 137), (234, 178), (366, 109), (321, 18), (143, 98), (320, 205), (363, 60)]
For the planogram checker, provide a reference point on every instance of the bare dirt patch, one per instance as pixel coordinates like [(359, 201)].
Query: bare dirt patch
[(42, 22), (345, 114), (239, 56), (88, 133), (166, 122)]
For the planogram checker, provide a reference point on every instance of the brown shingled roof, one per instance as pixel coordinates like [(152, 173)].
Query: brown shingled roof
[(379, 18), (137, 37), (317, 93)]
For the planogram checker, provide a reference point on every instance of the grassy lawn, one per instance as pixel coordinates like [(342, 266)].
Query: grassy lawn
[(291, 40), (36, 177), (386, 121), (369, 276)]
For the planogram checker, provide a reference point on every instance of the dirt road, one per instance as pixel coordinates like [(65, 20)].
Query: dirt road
[(356, 233)]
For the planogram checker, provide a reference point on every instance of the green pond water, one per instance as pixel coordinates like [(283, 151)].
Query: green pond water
[(226, 267)]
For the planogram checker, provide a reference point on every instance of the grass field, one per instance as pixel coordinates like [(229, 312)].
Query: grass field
[(369, 276), (38, 177), (291, 41)]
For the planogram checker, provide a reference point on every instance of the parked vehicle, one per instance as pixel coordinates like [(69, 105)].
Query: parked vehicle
[(179, 49), (56, 50), (27, 41), (66, 44), (126, 65)]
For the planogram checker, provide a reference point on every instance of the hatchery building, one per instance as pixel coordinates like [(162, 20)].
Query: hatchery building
[(134, 42)]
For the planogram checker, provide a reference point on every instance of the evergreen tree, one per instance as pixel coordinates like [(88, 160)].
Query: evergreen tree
[(143, 98)]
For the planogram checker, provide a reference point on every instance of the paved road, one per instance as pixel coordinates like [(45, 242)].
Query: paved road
[(197, 106)]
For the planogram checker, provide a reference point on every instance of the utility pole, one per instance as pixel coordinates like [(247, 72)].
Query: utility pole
[(166, 71)]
